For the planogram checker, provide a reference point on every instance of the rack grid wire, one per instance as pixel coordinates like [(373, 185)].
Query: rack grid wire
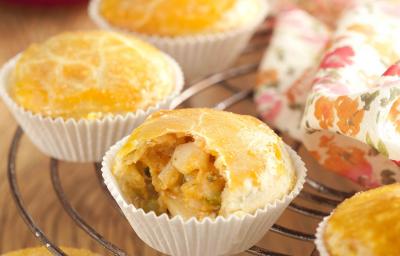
[(218, 79)]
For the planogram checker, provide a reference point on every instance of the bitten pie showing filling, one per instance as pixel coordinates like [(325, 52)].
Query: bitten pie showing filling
[(366, 224), (202, 162), (179, 17), (90, 74)]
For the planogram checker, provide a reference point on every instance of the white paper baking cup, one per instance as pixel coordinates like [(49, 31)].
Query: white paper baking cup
[(80, 140), (220, 236), (319, 237), (198, 55)]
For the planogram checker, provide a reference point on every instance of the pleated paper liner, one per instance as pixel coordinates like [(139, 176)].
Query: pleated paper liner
[(201, 54), (319, 240), (219, 236)]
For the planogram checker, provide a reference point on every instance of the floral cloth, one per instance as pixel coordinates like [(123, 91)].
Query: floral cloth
[(353, 113), (351, 124), (288, 67)]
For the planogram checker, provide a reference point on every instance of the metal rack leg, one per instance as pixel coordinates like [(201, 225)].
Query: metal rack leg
[(55, 179), (12, 179), (256, 251)]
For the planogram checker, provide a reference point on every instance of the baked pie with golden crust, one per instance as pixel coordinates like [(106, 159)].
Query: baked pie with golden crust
[(203, 163), (366, 224), (90, 74), (179, 17)]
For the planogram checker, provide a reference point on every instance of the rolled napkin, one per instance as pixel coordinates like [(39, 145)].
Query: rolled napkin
[(288, 67), (353, 112)]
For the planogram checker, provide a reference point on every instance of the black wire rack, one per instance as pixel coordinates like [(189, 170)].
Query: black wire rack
[(320, 195)]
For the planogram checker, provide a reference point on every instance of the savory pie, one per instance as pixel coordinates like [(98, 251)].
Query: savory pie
[(179, 17), (366, 224), (203, 163)]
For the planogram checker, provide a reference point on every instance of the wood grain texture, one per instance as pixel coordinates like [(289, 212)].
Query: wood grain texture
[(22, 25)]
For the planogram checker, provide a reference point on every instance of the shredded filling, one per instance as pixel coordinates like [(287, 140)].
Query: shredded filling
[(175, 175)]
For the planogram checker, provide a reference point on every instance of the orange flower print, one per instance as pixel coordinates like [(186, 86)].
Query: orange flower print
[(267, 77), (349, 115), (394, 115), (324, 112), (347, 161)]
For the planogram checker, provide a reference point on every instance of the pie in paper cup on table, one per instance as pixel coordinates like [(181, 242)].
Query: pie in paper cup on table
[(202, 181), (353, 112), (365, 224), (204, 37), (77, 93)]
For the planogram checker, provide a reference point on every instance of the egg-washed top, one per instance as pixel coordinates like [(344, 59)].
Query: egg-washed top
[(42, 251), (179, 17), (89, 74), (366, 224), (250, 157)]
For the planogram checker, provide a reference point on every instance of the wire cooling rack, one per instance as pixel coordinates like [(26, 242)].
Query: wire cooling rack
[(320, 195)]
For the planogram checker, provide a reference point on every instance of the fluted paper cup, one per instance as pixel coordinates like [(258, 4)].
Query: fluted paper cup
[(199, 55), (319, 237), (82, 140), (219, 236)]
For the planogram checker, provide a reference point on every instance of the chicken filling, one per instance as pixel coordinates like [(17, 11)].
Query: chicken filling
[(176, 175)]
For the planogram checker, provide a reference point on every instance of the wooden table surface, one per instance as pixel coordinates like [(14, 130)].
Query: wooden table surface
[(22, 25)]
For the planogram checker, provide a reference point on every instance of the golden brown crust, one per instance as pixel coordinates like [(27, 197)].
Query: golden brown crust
[(366, 224), (248, 153), (88, 74), (165, 18), (231, 136)]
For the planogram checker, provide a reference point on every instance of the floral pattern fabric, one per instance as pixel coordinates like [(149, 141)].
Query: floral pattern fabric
[(288, 67), (351, 124), (353, 112)]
